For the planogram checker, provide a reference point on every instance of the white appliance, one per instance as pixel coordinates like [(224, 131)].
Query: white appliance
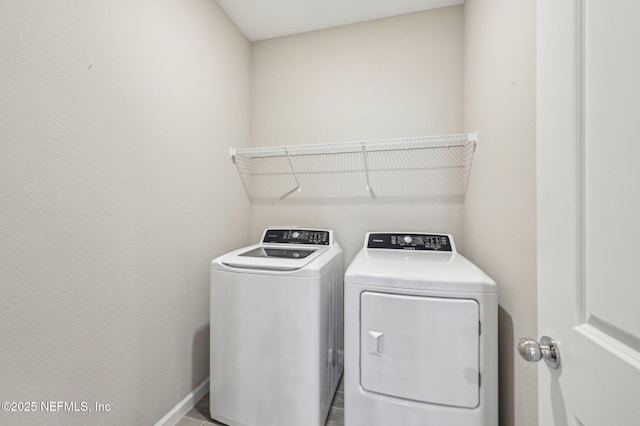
[(420, 335), (277, 349)]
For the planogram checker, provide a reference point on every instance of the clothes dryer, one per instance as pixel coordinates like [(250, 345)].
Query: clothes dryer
[(420, 335), (277, 330)]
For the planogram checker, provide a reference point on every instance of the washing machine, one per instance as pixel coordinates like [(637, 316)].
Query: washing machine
[(277, 350), (420, 335)]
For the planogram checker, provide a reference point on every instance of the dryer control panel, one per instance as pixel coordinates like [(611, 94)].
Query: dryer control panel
[(297, 236), (409, 241)]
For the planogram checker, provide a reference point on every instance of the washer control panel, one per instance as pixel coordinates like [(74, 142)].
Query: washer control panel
[(410, 241), (297, 236)]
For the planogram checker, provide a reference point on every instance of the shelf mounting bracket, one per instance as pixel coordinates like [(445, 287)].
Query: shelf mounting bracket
[(366, 170), (295, 176)]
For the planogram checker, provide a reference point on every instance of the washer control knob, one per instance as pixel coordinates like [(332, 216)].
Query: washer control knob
[(407, 239), (295, 234)]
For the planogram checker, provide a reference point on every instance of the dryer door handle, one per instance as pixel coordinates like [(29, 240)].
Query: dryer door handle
[(376, 342)]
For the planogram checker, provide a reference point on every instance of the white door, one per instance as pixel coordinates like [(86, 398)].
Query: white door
[(589, 210)]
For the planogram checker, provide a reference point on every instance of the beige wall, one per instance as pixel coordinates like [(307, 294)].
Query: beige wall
[(116, 189), (500, 209), (115, 192), (390, 78)]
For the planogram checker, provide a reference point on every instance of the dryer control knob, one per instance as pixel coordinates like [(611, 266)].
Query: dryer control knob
[(407, 239), (295, 234)]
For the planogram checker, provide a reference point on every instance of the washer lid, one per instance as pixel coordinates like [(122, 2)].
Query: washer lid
[(273, 257), (282, 253), (421, 270)]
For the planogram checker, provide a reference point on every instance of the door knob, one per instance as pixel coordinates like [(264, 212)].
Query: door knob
[(533, 351)]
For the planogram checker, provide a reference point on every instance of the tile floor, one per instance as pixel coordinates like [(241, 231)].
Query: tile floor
[(199, 415)]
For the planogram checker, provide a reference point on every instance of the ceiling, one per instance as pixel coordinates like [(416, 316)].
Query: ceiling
[(263, 19)]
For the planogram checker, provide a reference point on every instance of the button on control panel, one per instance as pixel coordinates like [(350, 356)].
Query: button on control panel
[(296, 236), (397, 241)]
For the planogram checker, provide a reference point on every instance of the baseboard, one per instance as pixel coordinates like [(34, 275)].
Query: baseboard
[(187, 403)]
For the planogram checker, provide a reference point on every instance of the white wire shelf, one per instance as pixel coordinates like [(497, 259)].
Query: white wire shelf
[(422, 167)]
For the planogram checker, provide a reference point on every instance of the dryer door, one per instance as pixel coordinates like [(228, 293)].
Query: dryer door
[(424, 349)]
